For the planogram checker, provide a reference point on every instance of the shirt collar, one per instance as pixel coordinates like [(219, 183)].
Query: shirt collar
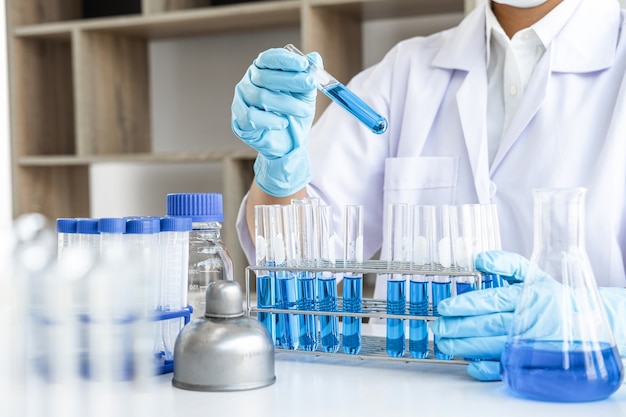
[(546, 29)]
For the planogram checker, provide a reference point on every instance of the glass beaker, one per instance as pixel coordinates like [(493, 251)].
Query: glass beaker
[(560, 347)]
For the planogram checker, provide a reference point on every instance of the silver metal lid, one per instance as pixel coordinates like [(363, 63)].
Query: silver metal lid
[(223, 351), (224, 299)]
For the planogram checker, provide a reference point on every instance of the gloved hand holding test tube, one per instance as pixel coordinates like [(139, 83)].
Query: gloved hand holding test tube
[(338, 93)]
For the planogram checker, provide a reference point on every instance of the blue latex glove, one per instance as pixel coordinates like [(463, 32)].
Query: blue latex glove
[(476, 324), (272, 112)]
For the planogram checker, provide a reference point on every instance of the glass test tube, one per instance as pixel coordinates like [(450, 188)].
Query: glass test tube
[(264, 281), (327, 281), (283, 251), (306, 281), (338, 93), (352, 281), (492, 238), (397, 251), (441, 285), (423, 239), (465, 226)]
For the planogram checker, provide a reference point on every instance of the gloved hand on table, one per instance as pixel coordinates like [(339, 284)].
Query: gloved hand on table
[(272, 112), (476, 324)]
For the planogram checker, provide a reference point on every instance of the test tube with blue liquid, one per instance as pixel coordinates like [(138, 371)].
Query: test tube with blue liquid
[(327, 281), (352, 281), (345, 98), (423, 221), (441, 287), (281, 253), (465, 226), (491, 231), (306, 281), (264, 279), (397, 251)]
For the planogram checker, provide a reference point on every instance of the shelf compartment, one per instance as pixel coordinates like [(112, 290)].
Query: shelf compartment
[(384, 9), (112, 94), (193, 22), (42, 97), (51, 191)]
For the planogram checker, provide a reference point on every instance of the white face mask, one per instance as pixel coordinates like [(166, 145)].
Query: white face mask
[(522, 4)]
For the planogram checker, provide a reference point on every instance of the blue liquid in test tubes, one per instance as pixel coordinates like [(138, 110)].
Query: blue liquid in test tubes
[(287, 326), (418, 329), (396, 304), (306, 282), (329, 325), (341, 95), (441, 291), (265, 299), (352, 301)]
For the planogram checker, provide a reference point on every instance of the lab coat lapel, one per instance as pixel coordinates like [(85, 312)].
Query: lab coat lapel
[(585, 44), (466, 54), (533, 97), (472, 113)]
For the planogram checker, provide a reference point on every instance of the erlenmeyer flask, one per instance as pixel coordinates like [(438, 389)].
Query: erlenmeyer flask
[(560, 347)]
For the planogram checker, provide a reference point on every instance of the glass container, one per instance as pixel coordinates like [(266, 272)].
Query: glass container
[(560, 347)]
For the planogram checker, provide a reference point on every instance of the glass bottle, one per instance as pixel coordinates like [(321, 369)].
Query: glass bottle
[(209, 259), (560, 347)]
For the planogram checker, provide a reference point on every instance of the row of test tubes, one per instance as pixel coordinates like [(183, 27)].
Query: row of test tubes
[(432, 237), (301, 234)]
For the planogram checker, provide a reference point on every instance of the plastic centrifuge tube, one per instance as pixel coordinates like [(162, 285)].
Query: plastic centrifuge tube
[(338, 93), (352, 281), (397, 251), (327, 281)]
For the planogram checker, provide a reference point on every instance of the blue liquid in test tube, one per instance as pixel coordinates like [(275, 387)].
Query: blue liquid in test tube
[(329, 325), (306, 282), (418, 329), (327, 281), (287, 325), (352, 302), (265, 299), (441, 291), (396, 304), (341, 95)]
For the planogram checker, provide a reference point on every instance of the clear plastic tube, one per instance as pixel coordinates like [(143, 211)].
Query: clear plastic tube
[(341, 95)]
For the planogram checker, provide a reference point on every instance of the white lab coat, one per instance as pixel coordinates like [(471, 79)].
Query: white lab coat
[(569, 131)]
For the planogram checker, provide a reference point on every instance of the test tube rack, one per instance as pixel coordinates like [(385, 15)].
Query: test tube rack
[(372, 347)]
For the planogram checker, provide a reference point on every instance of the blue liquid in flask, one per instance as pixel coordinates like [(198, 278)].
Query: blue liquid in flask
[(329, 325), (418, 329), (396, 304), (543, 370), (352, 301), (441, 291), (306, 301), (287, 326), (357, 107)]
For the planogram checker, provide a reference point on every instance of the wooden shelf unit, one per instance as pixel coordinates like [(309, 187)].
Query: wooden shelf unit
[(80, 87)]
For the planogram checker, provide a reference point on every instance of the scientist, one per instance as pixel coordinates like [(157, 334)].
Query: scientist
[(522, 94)]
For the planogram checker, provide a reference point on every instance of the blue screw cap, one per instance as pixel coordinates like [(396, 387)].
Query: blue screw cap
[(201, 207)]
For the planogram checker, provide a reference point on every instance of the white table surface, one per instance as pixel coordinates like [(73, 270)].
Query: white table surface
[(308, 385)]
